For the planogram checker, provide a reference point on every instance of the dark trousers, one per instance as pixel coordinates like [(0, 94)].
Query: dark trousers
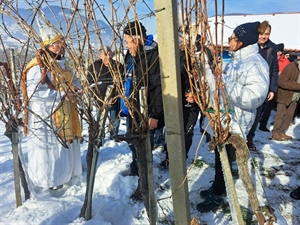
[(284, 117), (251, 134), (267, 112), (297, 110), (115, 121), (190, 117), (219, 182), (133, 164)]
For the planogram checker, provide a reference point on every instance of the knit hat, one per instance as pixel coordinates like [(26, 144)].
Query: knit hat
[(135, 28), (48, 33), (247, 33), (280, 47)]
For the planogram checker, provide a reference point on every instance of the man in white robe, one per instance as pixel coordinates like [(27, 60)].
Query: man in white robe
[(51, 119)]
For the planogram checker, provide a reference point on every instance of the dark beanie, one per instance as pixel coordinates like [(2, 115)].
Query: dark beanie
[(135, 28), (280, 47), (247, 33)]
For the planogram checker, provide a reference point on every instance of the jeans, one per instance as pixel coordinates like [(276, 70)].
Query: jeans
[(159, 137)]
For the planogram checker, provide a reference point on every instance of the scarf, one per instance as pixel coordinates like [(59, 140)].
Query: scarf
[(65, 116)]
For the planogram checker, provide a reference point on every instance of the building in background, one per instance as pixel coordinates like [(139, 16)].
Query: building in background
[(285, 29)]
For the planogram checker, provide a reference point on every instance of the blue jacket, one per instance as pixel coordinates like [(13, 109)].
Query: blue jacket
[(146, 72)]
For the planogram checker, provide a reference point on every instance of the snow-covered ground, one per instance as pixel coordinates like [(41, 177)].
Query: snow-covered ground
[(275, 174)]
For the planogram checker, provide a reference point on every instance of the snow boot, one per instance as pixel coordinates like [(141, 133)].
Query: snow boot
[(212, 203)]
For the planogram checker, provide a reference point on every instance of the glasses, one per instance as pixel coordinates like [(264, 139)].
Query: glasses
[(230, 38)]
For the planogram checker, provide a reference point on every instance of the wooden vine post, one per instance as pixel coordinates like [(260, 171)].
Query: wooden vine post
[(168, 44), (233, 201), (14, 144)]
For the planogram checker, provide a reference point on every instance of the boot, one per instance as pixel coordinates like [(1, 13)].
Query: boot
[(278, 136), (263, 128), (287, 137), (164, 164), (212, 203), (206, 193), (251, 145)]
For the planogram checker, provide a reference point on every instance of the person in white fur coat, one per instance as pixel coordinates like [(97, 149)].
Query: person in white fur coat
[(246, 84)]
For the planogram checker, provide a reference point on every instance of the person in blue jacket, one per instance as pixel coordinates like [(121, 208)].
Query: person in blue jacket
[(142, 68)]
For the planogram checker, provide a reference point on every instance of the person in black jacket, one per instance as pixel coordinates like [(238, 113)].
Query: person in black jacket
[(142, 70), (268, 51), (190, 107), (101, 74)]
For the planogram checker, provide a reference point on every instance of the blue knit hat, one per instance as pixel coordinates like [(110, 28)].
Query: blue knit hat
[(247, 33)]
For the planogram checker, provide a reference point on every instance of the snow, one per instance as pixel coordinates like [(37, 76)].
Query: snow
[(275, 174)]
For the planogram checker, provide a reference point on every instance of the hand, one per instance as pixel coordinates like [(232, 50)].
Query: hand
[(217, 72), (152, 123), (271, 96)]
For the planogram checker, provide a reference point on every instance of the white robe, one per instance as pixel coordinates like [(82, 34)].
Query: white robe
[(49, 163)]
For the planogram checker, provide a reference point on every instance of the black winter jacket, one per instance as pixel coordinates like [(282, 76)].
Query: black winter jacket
[(99, 72), (268, 52), (146, 72)]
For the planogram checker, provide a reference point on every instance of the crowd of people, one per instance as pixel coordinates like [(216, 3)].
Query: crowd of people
[(257, 79)]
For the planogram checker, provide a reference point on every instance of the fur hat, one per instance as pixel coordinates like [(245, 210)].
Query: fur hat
[(135, 28), (247, 33), (280, 47), (48, 33)]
